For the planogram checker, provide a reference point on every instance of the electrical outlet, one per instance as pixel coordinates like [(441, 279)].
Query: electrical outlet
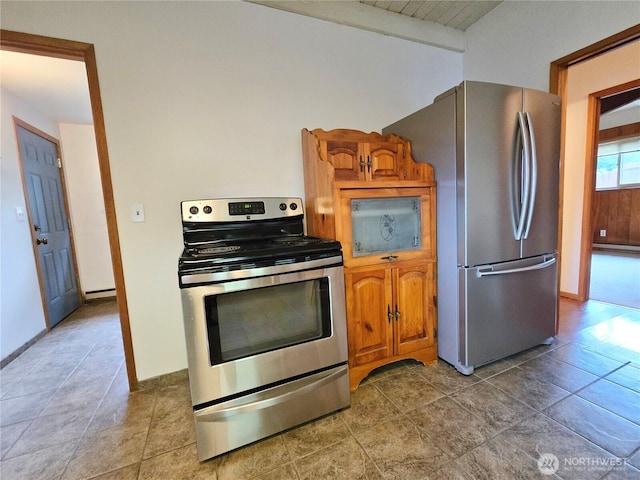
[(603, 233), (137, 212)]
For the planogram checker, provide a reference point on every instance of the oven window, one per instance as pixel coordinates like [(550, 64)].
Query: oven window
[(248, 322)]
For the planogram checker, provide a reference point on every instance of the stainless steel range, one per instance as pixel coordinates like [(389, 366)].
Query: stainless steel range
[(264, 317)]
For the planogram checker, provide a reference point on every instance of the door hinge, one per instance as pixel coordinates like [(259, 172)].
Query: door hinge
[(59, 163)]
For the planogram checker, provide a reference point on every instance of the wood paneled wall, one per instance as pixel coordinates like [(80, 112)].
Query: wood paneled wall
[(617, 212)]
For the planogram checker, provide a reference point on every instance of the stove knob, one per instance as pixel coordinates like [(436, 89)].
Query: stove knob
[(193, 210), (282, 206), (293, 206), (207, 209)]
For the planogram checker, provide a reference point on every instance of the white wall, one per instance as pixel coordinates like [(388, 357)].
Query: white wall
[(516, 42), (21, 311), (86, 207), (207, 99), (613, 68)]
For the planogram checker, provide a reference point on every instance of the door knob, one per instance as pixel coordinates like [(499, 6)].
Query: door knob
[(44, 240)]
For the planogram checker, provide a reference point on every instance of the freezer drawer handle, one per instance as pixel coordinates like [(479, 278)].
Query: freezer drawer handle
[(537, 266), (215, 413)]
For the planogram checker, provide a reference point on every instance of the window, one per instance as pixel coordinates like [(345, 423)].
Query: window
[(618, 164)]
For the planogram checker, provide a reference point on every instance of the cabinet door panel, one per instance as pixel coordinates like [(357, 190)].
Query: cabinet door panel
[(369, 329), (385, 161), (347, 158), (415, 318)]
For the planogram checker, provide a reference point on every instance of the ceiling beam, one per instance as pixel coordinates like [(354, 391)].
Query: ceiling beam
[(366, 17)]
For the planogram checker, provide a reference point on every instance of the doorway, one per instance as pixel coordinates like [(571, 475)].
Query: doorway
[(558, 84), (615, 257), (59, 48)]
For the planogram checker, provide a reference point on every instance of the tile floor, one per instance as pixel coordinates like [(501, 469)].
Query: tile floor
[(570, 410)]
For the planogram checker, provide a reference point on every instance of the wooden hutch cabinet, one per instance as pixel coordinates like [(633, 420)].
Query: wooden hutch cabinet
[(366, 191)]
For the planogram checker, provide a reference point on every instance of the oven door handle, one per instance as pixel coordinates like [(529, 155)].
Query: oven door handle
[(268, 398)]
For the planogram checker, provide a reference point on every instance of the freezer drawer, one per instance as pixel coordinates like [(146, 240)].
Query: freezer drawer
[(506, 308)]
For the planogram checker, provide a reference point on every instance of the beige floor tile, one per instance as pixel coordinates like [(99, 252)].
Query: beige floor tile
[(172, 423), (82, 398), (9, 435), (26, 407), (445, 377), (455, 429), (615, 398), (540, 435), (585, 359), (345, 460), (50, 430), (408, 390), (495, 407), (627, 376), (178, 464), (498, 460), (315, 435), (607, 430), (401, 450), (528, 387), (253, 460), (129, 472), (563, 375), (107, 450), (123, 409), (45, 464), (369, 407)]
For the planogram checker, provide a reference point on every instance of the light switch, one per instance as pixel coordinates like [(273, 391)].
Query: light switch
[(137, 212), (21, 216)]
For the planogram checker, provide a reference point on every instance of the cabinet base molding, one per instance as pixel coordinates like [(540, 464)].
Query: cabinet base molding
[(427, 356)]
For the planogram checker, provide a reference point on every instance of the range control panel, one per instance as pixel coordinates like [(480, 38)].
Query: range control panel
[(240, 209)]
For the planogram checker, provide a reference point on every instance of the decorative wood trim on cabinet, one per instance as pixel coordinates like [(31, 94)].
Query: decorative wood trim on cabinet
[(391, 296)]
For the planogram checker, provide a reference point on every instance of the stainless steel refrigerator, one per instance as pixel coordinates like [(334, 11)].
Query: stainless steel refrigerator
[(495, 150)]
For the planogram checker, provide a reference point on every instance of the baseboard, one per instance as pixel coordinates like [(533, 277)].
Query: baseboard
[(12, 356), (99, 294), (174, 378), (572, 296)]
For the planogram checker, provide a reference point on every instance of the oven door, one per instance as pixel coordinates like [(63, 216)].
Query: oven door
[(253, 333)]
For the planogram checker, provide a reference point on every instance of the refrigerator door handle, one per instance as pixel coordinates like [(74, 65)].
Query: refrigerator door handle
[(534, 175), (538, 266), (521, 177)]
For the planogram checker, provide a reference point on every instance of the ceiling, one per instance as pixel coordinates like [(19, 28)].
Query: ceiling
[(451, 13), (55, 86), (59, 87)]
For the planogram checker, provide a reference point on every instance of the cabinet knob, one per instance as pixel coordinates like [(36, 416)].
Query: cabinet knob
[(369, 164), (389, 257), (361, 164), (389, 314), (397, 313)]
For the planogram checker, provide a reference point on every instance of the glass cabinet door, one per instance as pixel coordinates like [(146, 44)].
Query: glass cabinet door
[(382, 225)]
